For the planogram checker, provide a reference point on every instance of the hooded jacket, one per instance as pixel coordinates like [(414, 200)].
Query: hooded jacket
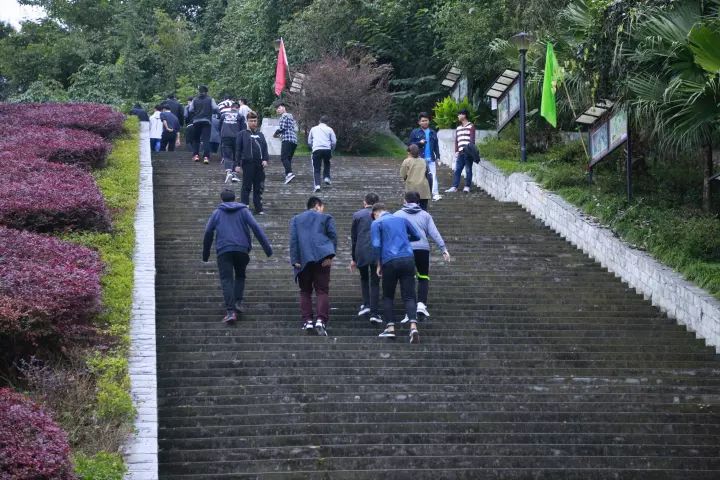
[(231, 224), (362, 251), (413, 172), (232, 122), (250, 147), (156, 125), (202, 108), (391, 236), (312, 238), (425, 225)]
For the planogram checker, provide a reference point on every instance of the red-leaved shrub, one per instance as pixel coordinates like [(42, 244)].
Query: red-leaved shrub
[(32, 445), (44, 197), (94, 117), (61, 145), (49, 290)]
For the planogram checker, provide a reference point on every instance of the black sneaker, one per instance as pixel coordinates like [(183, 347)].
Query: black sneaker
[(387, 333), (238, 309)]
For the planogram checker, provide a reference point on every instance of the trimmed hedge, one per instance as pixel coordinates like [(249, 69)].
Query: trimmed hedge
[(43, 197), (49, 290), (32, 446), (93, 117), (61, 145)]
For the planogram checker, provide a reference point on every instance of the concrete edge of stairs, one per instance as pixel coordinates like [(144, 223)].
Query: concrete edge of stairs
[(141, 449), (680, 299)]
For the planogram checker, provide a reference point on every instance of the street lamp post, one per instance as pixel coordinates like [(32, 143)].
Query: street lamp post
[(522, 40)]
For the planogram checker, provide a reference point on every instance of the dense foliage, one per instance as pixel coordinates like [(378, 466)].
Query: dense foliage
[(101, 119)]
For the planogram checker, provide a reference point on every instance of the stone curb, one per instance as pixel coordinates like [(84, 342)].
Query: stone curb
[(681, 300), (141, 450)]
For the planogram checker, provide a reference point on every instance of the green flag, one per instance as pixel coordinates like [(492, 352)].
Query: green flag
[(552, 74)]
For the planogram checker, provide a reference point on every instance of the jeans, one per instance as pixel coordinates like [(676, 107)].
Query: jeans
[(155, 144), (232, 267), (287, 150), (370, 285), (228, 152), (433, 170), (422, 264), (253, 180), (321, 158), (201, 131), (399, 270), (315, 277), (167, 141), (463, 161)]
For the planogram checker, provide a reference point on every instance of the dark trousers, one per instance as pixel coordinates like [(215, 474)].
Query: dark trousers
[(321, 158), (463, 161), (423, 204), (232, 267), (201, 131), (228, 152), (190, 137), (422, 264), (399, 270), (370, 286), (287, 150), (315, 277), (253, 180), (167, 141)]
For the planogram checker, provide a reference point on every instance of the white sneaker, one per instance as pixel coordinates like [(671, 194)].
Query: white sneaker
[(405, 320), (437, 197), (228, 176), (422, 308), (320, 328), (289, 177), (235, 178), (327, 181), (466, 189), (363, 310), (316, 189), (451, 190), (376, 320)]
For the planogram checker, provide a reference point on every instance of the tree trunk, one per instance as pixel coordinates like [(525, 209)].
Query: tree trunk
[(707, 173)]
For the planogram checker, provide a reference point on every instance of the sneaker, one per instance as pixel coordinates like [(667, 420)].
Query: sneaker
[(327, 181), (387, 333), (414, 336), (451, 190), (375, 320), (196, 158), (238, 308), (316, 189), (228, 176), (466, 190), (436, 197), (289, 177), (206, 160), (235, 178), (422, 308), (320, 328), (309, 328), (230, 317), (405, 320), (261, 212), (363, 310)]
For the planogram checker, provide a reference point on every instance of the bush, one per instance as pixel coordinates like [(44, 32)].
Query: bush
[(446, 112), (60, 145), (32, 446), (352, 93), (103, 466), (93, 117), (35, 196), (49, 291)]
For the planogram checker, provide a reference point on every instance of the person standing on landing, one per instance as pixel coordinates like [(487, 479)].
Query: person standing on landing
[(424, 223), (413, 173), (426, 140), (202, 107), (464, 136), (313, 242), (364, 260), (230, 226), (391, 236), (286, 133), (322, 142), (251, 155)]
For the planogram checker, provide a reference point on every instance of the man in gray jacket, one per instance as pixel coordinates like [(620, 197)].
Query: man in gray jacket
[(322, 141), (363, 259), (313, 241), (424, 223)]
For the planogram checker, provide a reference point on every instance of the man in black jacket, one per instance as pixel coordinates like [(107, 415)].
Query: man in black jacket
[(363, 259), (203, 106), (251, 154), (232, 122), (175, 107)]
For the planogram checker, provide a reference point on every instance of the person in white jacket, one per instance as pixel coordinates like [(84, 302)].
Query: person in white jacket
[(322, 141), (156, 129)]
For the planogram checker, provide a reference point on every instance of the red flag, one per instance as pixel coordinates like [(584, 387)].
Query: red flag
[(281, 71)]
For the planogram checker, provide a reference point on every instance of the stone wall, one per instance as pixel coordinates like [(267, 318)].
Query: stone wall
[(688, 304)]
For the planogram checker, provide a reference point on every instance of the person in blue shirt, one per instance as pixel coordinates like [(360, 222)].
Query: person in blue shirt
[(391, 236), (426, 140), (171, 127)]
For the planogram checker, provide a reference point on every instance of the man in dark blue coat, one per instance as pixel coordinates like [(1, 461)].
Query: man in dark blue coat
[(230, 225), (313, 241), (364, 260), (427, 141)]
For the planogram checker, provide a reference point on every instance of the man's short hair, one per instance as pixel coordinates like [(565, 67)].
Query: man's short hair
[(252, 115), (280, 104), (227, 195), (190, 99), (203, 89), (412, 197), (413, 150), (171, 95), (235, 104), (379, 207), (422, 115), (371, 198), (158, 107), (324, 119), (314, 202), (244, 100)]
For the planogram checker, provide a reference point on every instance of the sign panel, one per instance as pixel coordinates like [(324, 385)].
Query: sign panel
[(607, 134), (508, 105)]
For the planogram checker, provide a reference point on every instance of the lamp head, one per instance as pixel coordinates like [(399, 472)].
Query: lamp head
[(523, 40)]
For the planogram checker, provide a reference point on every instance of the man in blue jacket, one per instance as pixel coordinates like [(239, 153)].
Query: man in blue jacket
[(231, 224), (426, 140), (391, 236), (313, 241)]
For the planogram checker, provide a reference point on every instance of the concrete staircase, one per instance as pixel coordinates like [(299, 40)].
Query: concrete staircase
[(535, 364)]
